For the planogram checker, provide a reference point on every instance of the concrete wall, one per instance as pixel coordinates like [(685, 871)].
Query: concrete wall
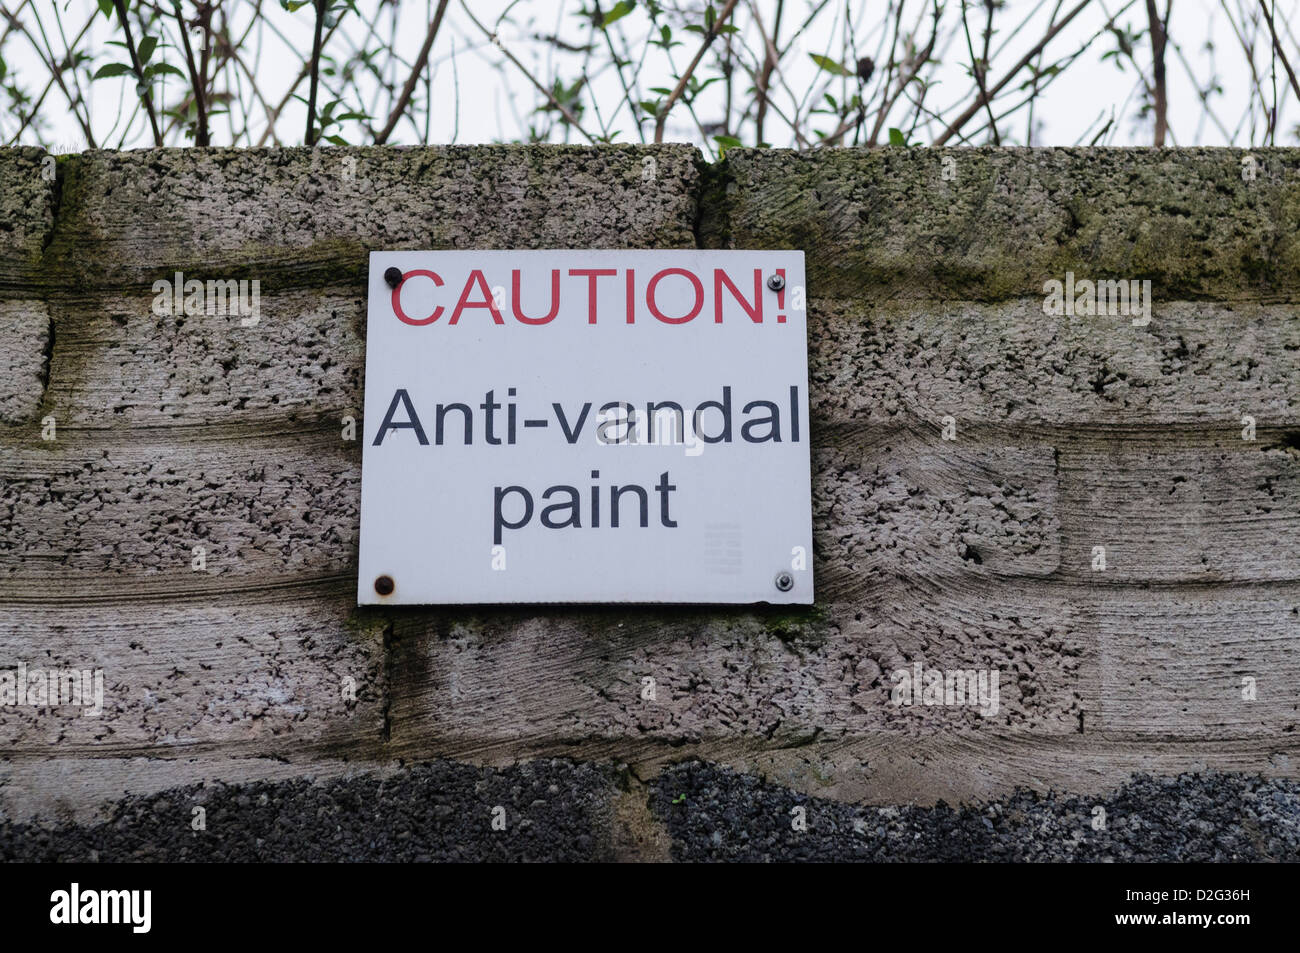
[(925, 272)]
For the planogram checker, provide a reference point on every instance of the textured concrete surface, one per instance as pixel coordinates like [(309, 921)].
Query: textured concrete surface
[(880, 360), (296, 217), (24, 360), (28, 195), (192, 528), (230, 671)]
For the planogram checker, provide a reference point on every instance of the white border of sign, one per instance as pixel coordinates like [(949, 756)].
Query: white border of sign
[(563, 426)]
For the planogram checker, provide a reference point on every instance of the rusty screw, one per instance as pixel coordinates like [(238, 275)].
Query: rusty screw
[(393, 276), (384, 585)]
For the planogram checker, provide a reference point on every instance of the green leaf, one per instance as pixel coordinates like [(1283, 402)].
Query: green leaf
[(147, 45), (337, 140), (293, 5), (112, 69), (106, 8), (621, 9), (158, 69), (896, 138), (830, 65), (725, 143), (650, 106)]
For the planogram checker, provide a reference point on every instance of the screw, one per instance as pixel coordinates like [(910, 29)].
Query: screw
[(784, 581), (776, 282), (384, 585), (393, 276)]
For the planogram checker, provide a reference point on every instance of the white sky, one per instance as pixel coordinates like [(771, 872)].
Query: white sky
[(480, 97)]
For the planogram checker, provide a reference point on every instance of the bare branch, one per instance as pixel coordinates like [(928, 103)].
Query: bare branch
[(676, 94), (979, 67), (310, 138), (1277, 45), (550, 97), (421, 61), (1028, 58), (1160, 94), (201, 134)]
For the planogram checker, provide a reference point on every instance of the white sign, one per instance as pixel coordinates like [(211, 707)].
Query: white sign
[(586, 426)]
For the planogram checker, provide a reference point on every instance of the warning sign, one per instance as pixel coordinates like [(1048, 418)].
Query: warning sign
[(586, 426)]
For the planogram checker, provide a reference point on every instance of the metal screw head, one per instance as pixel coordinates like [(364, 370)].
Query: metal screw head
[(784, 581), (384, 585), (393, 276), (776, 282)]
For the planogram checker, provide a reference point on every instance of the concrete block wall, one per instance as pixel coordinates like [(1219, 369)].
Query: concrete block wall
[(926, 273)]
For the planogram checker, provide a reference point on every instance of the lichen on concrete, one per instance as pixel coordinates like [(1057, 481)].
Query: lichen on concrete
[(996, 223), (305, 215)]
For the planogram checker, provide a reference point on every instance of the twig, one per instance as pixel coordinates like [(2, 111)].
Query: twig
[(139, 72), (1038, 72), (1277, 45), (201, 135), (799, 137), (56, 77), (550, 97), (1160, 94), (676, 94), (888, 99), (404, 98), (618, 66), (310, 138), (770, 58), (978, 68), (975, 107)]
